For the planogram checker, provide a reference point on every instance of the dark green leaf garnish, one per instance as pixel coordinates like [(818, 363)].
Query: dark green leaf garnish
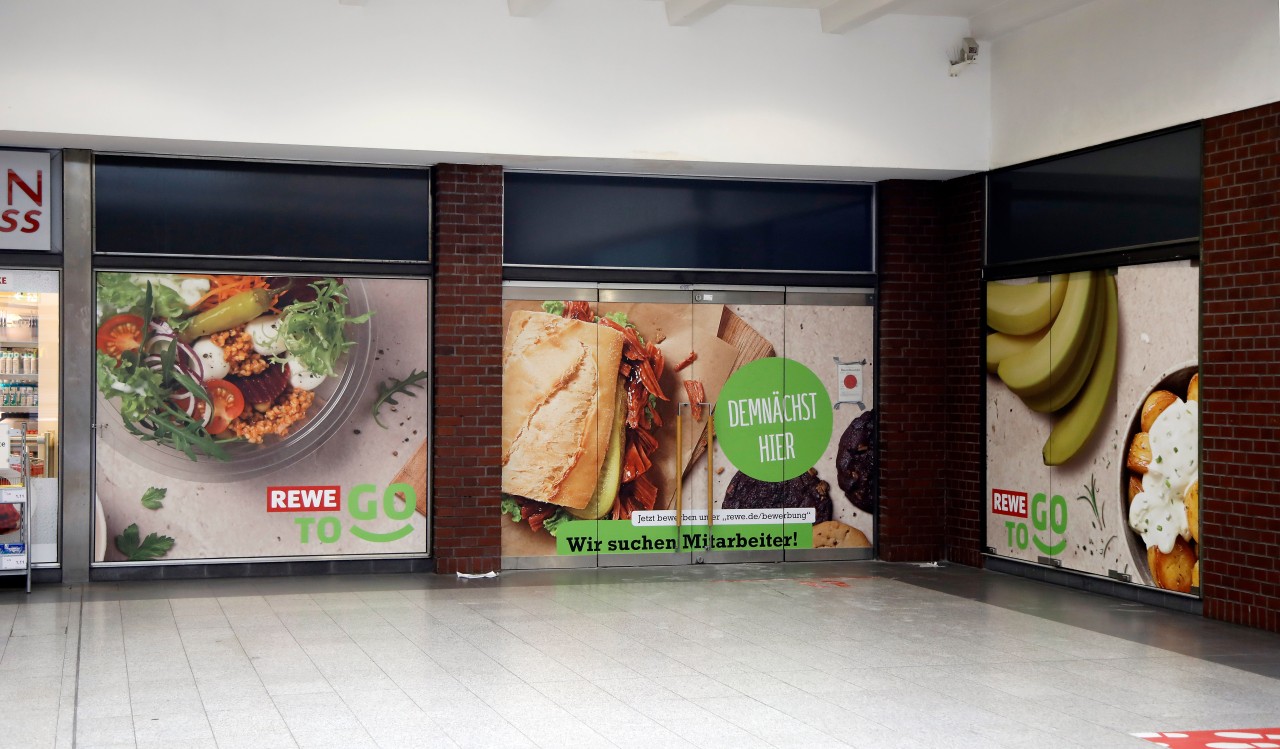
[(152, 496), (388, 391), (153, 546)]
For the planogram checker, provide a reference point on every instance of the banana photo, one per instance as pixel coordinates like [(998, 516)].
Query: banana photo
[(1054, 346), (1089, 375)]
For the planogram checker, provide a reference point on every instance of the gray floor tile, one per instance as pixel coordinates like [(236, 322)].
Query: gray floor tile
[(900, 657)]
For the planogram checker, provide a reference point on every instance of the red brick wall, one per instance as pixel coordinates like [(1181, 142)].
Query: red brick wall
[(467, 343), (1240, 369), (930, 370), (912, 371), (963, 212)]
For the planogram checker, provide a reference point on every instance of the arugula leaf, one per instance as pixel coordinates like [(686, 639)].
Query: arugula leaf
[(152, 496), (553, 308), (394, 387), (148, 414), (153, 546)]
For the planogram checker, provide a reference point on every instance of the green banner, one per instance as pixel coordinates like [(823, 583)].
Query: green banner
[(622, 537)]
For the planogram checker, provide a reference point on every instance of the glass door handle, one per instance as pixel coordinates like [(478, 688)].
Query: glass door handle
[(679, 471), (711, 467)]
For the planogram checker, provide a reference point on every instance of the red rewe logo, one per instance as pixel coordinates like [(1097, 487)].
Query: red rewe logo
[(1005, 502), (304, 498)]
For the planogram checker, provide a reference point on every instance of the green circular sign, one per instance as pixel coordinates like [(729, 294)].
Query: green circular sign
[(773, 419)]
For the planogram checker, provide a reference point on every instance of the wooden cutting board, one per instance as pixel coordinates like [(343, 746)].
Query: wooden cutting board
[(414, 473), (750, 346)]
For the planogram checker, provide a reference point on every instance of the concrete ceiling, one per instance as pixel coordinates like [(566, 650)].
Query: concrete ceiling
[(988, 19)]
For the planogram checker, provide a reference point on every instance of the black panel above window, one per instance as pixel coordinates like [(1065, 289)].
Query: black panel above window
[(658, 223), (1136, 194), (147, 206)]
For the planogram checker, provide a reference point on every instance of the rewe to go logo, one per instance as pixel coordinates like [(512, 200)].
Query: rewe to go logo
[(397, 502), (1047, 515)]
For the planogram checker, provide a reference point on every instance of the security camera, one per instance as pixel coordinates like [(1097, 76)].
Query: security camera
[(965, 56)]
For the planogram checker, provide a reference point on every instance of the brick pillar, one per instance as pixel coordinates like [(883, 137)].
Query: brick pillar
[(467, 345), (963, 212), (912, 371), (1240, 369)]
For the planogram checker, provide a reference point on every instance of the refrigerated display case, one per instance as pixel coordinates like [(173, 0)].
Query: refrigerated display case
[(29, 380)]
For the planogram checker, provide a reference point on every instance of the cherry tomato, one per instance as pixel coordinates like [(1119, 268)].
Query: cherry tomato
[(228, 403), (119, 334)]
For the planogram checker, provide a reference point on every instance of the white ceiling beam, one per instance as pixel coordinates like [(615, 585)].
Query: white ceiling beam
[(687, 12), (1000, 19), (845, 15), (526, 8)]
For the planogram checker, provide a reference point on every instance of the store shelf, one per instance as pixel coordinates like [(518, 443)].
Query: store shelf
[(24, 377), (27, 343), (5, 410)]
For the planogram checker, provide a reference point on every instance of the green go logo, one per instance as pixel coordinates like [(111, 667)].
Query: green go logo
[(1047, 515), (397, 502)]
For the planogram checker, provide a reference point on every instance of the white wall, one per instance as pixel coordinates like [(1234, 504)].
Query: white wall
[(587, 84), (1115, 68)]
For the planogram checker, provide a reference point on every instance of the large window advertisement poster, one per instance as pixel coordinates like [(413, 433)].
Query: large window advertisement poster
[(259, 416), (1092, 422), (609, 407)]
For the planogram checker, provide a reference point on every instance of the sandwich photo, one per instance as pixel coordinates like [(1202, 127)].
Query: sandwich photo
[(579, 412)]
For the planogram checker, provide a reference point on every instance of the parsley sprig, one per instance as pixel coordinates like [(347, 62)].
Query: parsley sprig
[(153, 546), (151, 498)]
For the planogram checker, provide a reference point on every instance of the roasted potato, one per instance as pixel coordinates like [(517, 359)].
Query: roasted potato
[(1139, 453), (1175, 570), (1193, 389), (1192, 500), (1154, 405), (1135, 486)]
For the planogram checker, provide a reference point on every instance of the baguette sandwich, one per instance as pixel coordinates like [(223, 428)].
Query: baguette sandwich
[(572, 404)]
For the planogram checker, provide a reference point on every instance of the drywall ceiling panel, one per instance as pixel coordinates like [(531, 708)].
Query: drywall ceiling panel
[(1115, 68)]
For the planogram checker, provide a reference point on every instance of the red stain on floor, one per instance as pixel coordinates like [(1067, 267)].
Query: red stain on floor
[(1227, 738)]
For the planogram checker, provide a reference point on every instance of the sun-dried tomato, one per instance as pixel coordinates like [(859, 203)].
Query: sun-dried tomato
[(697, 396), (578, 311)]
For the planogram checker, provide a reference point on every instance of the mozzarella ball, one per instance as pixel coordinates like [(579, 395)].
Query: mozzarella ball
[(265, 333), (301, 377), (211, 358)]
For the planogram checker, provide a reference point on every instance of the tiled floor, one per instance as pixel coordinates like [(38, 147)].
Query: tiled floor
[(815, 655)]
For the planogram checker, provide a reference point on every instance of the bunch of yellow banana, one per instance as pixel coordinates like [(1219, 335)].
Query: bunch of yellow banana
[(1055, 348)]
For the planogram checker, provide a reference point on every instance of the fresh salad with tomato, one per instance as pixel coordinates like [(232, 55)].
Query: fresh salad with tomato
[(196, 362)]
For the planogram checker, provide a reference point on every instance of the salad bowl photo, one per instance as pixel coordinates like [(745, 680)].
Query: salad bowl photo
[(213, 377)]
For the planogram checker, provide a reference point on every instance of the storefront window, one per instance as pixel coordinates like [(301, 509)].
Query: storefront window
[(258, 416)]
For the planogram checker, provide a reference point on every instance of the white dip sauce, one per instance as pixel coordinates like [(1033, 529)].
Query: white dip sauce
[(1159, 512)]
